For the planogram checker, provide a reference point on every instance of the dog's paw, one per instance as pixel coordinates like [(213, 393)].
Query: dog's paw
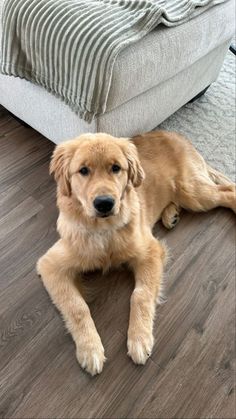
[(91, 358), (170, 216), (140, 348), (38, 267), (172, 222)]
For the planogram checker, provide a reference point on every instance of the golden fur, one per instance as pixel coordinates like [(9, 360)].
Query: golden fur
[(161, 173)]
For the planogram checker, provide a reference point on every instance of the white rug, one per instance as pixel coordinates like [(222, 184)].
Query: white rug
[(209, 122)]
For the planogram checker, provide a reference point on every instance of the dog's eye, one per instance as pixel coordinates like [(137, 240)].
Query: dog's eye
[(115, 168), (84, 171)]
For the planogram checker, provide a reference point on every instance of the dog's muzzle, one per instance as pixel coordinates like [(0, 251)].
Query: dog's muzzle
[(104, 205)]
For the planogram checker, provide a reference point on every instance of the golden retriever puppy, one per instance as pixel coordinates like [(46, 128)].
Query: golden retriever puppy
[(110, 193)]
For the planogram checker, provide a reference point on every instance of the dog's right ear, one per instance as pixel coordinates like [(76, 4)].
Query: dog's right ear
[(59, 166)]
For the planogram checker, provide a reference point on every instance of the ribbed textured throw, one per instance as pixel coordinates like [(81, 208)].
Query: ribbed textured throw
[(69, 46)]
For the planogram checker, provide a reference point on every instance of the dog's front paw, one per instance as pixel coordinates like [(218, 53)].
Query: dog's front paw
[(140, 348), (91, 357), (38, 266)]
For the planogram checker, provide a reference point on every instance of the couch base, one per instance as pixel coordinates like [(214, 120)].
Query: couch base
[(199, 94), (55, 120)]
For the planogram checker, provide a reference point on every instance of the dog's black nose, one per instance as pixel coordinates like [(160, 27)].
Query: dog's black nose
[(104, 203)]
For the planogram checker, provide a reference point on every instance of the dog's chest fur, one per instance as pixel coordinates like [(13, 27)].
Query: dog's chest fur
[(95, 249)]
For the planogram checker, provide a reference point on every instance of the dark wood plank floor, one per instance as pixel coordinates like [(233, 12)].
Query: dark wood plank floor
[(191, 371)]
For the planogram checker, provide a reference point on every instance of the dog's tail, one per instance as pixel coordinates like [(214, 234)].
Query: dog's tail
[(218, 177)]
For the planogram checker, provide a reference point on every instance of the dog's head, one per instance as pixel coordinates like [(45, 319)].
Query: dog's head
[(96, 169)]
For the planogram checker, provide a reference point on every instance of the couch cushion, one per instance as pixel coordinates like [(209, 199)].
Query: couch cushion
[(166, 51)]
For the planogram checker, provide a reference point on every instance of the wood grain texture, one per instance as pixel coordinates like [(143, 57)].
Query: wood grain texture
[(191, 373)]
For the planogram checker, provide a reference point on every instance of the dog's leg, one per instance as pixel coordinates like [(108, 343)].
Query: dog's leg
[(218, 177), (58, 275), (148, 271), (170, 215), (206, 195)]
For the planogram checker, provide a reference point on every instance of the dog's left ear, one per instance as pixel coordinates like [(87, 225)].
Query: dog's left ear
[(136, 172), (59, 166)]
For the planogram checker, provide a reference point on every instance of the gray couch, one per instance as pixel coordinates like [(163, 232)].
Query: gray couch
[(151, 80)]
